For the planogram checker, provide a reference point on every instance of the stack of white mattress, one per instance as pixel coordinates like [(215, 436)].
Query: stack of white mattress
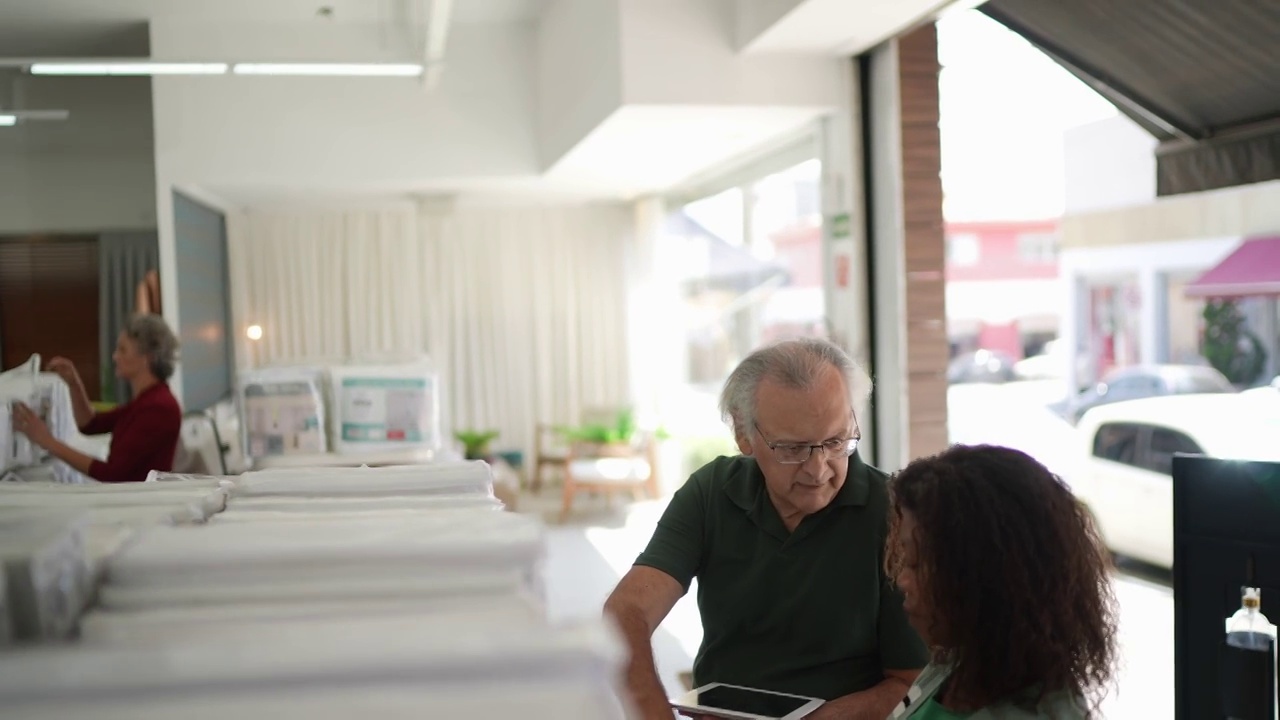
[(460, 663), (455, 552), (445, 478), (47, 574), (100, 519), (324, 594)]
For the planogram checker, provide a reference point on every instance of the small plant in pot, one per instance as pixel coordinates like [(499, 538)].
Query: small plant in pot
[(608, 439), (475, 443)]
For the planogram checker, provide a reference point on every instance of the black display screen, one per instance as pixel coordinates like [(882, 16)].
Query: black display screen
[(752, 702)]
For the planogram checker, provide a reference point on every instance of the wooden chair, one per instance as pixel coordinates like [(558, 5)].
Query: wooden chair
[(551, 450), (608, 469)]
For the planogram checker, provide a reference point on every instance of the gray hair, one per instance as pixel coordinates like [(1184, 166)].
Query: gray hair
[(793, 363), (155, 340)]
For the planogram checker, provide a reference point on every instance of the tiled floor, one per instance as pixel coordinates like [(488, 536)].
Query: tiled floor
[(586, 560)]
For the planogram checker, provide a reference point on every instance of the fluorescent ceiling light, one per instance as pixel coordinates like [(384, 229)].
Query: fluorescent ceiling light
[(7, 120), (25, 115), (127, 68), (344, 69)]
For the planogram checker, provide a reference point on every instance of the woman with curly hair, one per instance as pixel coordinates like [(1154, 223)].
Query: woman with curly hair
[(1006, 579)]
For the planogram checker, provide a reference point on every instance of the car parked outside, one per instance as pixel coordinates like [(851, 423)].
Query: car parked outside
[(1125, 459), (980, 366), (1143, 381)]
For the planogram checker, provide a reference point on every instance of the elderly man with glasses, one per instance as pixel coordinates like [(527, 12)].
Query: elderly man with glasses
[(787, 543)]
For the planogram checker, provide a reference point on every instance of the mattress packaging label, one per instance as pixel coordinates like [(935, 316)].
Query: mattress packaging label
[(386, 409)]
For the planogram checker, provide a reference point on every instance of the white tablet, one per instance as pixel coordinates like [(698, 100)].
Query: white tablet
[(744, 703)]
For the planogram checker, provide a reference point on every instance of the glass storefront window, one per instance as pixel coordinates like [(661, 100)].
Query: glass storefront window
[(753, 270)]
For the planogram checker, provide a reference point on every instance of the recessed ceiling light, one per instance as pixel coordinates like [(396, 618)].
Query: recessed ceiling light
[(8, 120)]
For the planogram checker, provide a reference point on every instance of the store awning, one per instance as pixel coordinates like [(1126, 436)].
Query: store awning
[(1202, 77), (1250, 270)]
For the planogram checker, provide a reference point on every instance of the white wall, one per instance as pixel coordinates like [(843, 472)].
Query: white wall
[(72, 194), (91, 173), (1228, 212), (1109, 164)]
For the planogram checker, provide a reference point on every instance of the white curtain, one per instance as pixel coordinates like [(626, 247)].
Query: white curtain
[(523, 310), (327, 286), (526, 314)]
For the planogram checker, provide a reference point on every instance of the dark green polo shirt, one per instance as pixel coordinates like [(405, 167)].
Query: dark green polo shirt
[(809, 612)]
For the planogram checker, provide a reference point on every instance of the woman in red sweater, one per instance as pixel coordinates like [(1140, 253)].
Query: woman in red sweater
[(144, 431)]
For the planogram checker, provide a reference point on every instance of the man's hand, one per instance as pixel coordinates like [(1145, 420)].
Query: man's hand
[(642, 599), (827, 712), (874, 703), (27, 422)]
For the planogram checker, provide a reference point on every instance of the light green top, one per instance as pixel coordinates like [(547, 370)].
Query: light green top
[(921, 703), (933, 710)]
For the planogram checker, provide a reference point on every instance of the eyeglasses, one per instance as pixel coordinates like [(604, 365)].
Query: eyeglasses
[(799, 453)]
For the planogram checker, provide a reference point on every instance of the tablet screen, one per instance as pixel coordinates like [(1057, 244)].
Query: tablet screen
[(752, 702)]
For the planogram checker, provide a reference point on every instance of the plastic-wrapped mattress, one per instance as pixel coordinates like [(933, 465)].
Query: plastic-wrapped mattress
[(282, 412), (286, 505), (458, 664), (167, 626), (48, 395), (385, 407), (455, 552), (446, 478), (47, 572), (188, 502)]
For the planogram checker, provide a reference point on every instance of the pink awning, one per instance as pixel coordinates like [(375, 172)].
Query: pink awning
[(1251, 269)]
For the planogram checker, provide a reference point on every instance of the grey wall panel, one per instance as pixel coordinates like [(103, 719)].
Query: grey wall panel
[(204, 306)]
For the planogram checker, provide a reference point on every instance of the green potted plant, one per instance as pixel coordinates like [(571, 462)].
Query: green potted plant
[(475, 443), (608, 439)]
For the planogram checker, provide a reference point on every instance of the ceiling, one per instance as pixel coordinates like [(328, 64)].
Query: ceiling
[(842, 27), (661, 146), (118, 28), (636, 149), (256, 11)]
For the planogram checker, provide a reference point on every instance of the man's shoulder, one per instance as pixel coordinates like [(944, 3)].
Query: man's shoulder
[(732, 478), (724, 469), (877, 480), (873, 479)]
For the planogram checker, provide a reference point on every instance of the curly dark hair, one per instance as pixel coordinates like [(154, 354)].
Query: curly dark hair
[(1013, 573)]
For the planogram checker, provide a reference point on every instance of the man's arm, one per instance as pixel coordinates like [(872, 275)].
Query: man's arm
[(874, 703), (638, 605)]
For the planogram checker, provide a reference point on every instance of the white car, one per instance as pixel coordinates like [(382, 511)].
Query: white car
[(1126, 451)]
